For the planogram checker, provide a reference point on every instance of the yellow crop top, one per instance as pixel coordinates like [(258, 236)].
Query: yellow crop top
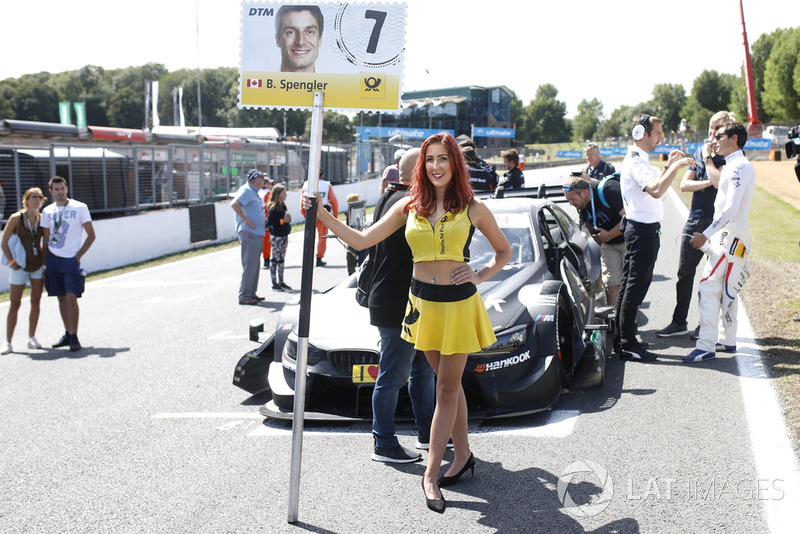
[(449, 239)]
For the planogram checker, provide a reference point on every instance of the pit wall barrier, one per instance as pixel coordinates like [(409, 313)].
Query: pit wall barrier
[(127, 240)]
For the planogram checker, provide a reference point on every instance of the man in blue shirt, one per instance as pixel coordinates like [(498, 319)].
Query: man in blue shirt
[(702, 182), (250, 223)]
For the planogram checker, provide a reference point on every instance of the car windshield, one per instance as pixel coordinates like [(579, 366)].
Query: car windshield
[(517, 229)]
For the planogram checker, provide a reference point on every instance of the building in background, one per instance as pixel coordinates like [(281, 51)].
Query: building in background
[(457, 109)]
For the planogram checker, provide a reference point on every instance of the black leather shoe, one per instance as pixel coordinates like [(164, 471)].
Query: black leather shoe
[(63, 342), (320, 262), (437, 505), (449, 481)]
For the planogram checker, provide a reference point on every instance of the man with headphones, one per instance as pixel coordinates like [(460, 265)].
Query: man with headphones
[(641, 194)]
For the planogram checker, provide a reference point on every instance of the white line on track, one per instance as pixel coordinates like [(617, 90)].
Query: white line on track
[(208, 415), (772, 450), (559, 424)]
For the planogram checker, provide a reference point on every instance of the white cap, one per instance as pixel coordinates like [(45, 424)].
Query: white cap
[(399, 153)]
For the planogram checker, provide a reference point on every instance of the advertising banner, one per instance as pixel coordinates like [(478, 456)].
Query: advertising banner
[(352, 52), (486, 131)]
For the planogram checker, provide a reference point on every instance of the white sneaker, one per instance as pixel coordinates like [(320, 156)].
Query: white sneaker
[(6, 348), (33, 343)]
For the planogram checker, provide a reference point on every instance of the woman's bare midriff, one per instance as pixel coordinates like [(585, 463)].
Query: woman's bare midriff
[(435, 272)]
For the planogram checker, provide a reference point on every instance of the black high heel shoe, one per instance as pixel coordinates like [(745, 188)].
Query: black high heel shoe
[(437, 505), (449, 481)]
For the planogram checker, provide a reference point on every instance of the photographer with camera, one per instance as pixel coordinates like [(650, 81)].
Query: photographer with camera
[(599, 204)]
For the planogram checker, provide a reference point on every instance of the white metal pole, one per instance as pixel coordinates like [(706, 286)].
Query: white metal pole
[(305, 308)]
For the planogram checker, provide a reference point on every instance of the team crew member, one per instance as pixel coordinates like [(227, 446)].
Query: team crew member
[(330, 203), (445, 317), (63, 223), (641, 194), (702, 182), (513, 178), (400, 362), (729, 238), (600, 207), (596, 168)]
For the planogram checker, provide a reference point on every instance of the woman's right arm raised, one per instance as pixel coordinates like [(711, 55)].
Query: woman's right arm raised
[(372, 235)]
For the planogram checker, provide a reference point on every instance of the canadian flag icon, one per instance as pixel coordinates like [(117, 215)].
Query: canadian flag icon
[(254, 82)]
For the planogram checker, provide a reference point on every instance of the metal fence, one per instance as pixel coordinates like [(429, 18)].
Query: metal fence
[(116, 180)]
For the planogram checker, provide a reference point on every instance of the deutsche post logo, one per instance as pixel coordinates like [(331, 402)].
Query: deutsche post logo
[(373, 85)]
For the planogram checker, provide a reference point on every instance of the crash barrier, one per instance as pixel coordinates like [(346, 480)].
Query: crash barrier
[(153, 234), (118, 180)]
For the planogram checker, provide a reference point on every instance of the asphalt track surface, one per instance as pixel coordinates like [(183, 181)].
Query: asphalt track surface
[(142, 430)]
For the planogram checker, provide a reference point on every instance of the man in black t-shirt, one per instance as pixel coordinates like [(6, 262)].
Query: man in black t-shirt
[(513, 179), (599, 204), (391, 279)]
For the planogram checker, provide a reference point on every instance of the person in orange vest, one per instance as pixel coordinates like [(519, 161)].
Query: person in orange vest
[(330, 203)]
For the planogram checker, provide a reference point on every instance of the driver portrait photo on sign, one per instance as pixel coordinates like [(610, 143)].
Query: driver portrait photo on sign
[(351, 52)]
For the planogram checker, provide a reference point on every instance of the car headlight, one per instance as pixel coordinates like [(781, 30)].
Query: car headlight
[(508, 342), (290, 352)]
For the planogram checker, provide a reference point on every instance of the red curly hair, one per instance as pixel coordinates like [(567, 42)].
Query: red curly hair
[(458, 194)]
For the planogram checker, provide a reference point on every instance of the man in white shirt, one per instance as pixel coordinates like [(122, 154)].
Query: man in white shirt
[(641, 197), (331, 204), (63, 224), (727, 243)]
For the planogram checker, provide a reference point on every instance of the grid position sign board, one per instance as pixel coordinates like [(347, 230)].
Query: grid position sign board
[(351, 52)]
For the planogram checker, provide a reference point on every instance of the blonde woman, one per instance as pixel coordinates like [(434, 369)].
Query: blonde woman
[(25, 224)]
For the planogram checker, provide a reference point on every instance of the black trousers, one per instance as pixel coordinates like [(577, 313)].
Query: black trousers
[(687, 265), (641, 250)]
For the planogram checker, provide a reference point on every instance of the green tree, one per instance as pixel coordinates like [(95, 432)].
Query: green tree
[(759, 54), (126, 109), (6, 111), (586, 122), (782, 77), (712, 90), (90, 85), (34, 99), (667, 102), (337, 128), (618, 125), (546, 116)]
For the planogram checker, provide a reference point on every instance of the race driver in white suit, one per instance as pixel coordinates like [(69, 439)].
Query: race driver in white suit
[(727, 243)]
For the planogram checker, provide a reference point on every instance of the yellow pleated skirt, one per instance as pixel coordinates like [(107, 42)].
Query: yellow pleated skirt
[(450, 319)]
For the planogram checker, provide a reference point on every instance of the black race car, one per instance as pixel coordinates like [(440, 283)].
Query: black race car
[(547, 307)]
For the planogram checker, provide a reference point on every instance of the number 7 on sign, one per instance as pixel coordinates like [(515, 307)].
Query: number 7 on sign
[(379, 17)]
